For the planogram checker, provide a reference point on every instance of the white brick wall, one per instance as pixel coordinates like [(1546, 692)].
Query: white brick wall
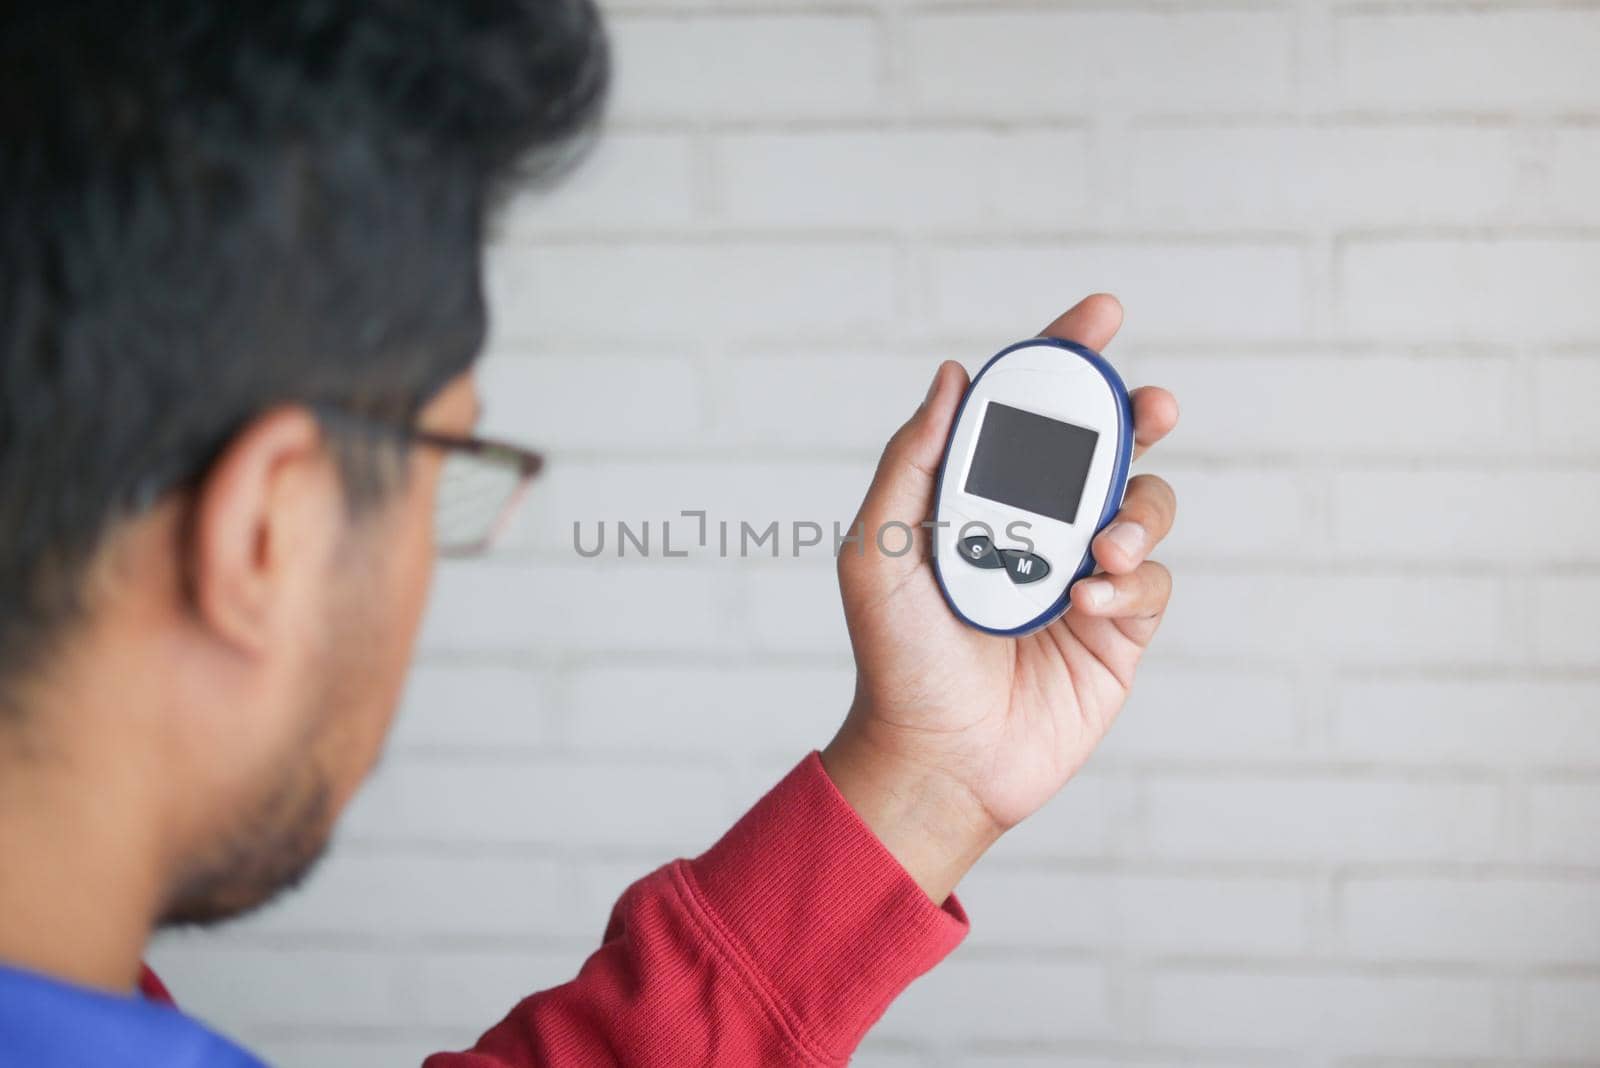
[(1353, 815)]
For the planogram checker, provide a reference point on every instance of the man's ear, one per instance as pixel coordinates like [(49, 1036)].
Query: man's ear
[(267, 510)]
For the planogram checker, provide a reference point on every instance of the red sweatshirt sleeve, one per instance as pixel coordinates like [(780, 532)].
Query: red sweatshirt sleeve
[(151, 988), (780, 945)]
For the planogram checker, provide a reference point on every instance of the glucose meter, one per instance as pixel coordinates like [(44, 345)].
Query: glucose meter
[(1035, 467)]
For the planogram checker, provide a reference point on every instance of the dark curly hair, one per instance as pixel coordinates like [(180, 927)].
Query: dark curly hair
[(207, 209)]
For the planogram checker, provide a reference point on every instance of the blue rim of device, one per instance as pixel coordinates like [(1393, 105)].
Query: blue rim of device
[(1119, 480)]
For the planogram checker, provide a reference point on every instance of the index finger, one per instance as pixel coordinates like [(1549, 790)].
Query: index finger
[(1093, 321)]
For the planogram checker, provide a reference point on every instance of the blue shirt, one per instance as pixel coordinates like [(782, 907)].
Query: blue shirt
[(45, 1023)]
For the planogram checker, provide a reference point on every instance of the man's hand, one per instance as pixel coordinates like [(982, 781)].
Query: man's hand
[(955, 735)]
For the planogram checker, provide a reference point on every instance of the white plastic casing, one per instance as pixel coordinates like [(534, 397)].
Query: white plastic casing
[(1061, 381)]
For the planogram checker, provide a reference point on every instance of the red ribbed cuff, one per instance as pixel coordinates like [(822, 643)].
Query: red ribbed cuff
[(826, 924)]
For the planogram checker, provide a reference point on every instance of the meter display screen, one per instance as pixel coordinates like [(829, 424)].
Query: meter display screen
[(1031, 462)]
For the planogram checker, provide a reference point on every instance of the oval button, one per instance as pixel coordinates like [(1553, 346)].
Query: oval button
[(1024, 567), (979, 552)]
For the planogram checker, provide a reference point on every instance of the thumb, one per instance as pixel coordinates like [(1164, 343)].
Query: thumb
[(902, 488)]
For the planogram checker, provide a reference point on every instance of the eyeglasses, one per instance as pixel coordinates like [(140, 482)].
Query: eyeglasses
[(480, 484)]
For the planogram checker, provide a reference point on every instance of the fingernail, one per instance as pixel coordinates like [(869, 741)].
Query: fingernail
[(1096, 593), (1127, 536), (933, 387)]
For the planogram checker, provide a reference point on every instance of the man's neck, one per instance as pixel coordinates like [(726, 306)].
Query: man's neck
[(78, 893)]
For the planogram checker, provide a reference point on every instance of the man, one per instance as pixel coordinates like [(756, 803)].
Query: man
[(239, 312)]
